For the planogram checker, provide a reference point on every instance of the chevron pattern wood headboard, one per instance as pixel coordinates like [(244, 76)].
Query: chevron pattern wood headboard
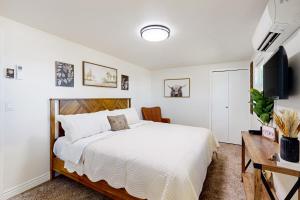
[(77, 106)]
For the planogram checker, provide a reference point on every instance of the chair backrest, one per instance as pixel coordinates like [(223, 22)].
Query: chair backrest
[(152, 114)]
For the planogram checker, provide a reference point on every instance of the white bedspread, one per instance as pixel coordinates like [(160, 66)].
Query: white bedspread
[(150, 160)]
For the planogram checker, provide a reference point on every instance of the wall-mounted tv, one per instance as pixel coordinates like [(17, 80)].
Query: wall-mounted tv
[(275, 75)]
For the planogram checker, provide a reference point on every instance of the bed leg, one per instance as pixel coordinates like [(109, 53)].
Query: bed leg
[(52, 174)]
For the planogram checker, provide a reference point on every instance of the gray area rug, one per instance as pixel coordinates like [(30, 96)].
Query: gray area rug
[(222, 182)]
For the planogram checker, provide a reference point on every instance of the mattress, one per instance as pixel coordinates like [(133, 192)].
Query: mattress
[(154, 161)]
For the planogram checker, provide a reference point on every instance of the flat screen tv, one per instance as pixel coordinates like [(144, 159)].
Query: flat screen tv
[(275, 75)]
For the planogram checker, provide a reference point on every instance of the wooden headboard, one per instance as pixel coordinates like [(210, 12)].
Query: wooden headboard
[(78, 106)]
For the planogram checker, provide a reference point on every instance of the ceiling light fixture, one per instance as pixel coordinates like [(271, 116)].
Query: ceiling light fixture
[(155, 33)]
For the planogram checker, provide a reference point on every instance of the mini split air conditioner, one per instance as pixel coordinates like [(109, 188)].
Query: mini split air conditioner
[(279, 21)]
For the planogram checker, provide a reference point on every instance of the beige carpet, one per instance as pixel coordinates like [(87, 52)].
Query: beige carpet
[(223, 179), (222, 182)]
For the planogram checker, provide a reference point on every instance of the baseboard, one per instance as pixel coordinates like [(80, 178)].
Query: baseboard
[(25, 186)]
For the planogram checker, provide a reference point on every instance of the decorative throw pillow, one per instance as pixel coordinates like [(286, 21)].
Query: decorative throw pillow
[(118, 122), (130, 113)]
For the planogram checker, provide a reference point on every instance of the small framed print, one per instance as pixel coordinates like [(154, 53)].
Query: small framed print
[(10, 73), (64, 74), (269, 132), (124, 82)]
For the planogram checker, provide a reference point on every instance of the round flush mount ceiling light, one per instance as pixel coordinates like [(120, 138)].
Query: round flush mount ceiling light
[(155, 33)]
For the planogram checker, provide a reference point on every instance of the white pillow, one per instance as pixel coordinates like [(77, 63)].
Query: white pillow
[(83, 125), (130, 114)]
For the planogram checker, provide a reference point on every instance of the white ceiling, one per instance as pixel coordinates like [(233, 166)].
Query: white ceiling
[(202, 31)]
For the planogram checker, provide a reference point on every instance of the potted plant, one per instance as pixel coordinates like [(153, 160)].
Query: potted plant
[(289, 126), (262, 106)]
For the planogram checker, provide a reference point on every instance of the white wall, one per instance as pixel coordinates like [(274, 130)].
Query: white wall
[(1, 112), (26, 130), (194, 110), (292, 46)]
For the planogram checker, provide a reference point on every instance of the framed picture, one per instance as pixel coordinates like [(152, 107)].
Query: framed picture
[(124, 82), (177, 87), (64, 73), (269, 132), (99, 75), (10, 73)]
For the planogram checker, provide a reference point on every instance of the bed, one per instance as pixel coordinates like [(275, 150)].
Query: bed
[(148, 161)]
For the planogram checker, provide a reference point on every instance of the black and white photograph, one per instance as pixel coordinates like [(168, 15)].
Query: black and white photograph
[(64, 74), (177, 87), (10, 73), (124, 82)]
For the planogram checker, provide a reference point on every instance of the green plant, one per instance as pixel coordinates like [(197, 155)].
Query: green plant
[(262, 106)]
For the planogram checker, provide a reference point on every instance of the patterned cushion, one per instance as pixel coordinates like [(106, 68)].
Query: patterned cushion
[(118, 122)]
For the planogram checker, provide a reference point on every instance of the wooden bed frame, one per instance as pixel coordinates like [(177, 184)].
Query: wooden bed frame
[(77, 106)]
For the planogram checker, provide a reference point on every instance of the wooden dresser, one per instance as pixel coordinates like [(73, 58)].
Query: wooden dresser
[(260, 150)]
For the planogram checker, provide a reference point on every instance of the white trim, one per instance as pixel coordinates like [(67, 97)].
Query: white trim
[(210, 100), (1, 108), (25, 186)]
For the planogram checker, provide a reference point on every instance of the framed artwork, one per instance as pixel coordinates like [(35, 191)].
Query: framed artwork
[(99, 75), (10, 73), (124, 82), (177, 87), (64, 74)]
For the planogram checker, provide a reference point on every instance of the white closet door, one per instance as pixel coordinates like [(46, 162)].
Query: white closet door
[(219, 114), (238, 104)]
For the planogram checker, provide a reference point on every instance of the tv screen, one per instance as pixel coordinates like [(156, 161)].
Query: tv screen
[(275, 75)]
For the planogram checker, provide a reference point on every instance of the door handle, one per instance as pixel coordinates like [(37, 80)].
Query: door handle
[(226, 107)]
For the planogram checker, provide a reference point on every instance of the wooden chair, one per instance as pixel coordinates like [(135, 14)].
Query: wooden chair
[(154, 114)]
